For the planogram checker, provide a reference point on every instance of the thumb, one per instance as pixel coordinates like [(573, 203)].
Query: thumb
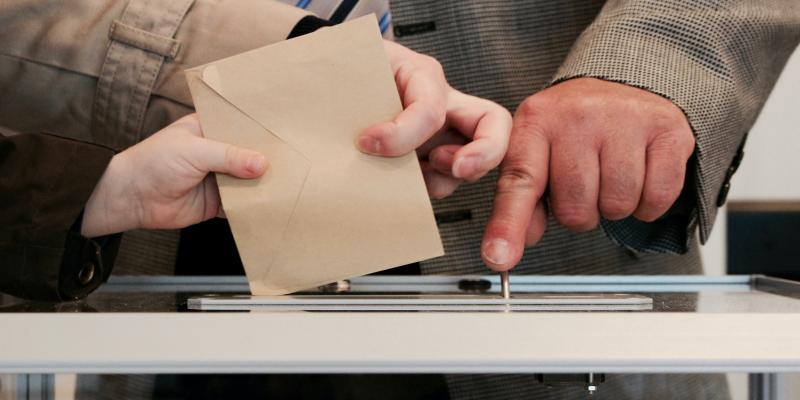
[(213, 156)]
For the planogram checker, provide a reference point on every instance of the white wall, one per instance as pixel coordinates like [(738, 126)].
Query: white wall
[(770, 171), (771, 166)]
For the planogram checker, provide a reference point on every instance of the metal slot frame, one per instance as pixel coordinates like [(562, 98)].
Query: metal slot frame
[(427, 302)]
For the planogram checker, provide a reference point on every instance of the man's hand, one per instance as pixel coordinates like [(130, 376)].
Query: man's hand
[(164, 181), (457, 137), (601, 148)]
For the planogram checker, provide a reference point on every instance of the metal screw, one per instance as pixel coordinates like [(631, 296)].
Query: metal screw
[(506, 290), (591, 387)]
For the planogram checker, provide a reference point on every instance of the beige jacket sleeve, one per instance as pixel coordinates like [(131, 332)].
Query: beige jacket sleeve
[(111, 71)]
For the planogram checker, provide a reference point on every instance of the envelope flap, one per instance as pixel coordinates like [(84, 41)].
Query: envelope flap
[(211, 77), (303, 87), (258, 210)]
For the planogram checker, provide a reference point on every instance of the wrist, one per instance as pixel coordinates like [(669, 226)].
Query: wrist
[(109, 208)]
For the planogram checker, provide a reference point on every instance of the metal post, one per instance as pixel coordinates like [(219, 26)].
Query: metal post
[(762, 386), (22, 387), (35, 387)]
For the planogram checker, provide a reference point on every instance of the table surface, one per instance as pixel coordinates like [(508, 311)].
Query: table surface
[(142, 325)]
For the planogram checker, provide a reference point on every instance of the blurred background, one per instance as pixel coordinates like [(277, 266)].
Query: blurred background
[(758, 230)]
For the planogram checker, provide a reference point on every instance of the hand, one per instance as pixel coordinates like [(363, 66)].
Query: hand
[(457, 137), (164, 181), (601, 148)]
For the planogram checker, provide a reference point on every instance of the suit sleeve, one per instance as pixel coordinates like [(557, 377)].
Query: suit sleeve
[(717, 61), (45, 182)]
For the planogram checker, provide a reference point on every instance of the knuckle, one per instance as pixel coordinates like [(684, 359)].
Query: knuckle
[(660, 198), (689, 143), (614, 207), (674, 133), (531, 107), (433, 64), (191, 124), (496, 109), (433, 117), (667, 117), (572, 201), (518, 178), (502, 112), (528, 127), (620, 192), (575, 217), (646, 215), (671, 149), (587, 104), (582, 108), (231, 158)]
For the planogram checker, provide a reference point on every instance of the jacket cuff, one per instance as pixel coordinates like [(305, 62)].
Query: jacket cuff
[(617, 48), (43, 258), (86, 264), (308, 24)]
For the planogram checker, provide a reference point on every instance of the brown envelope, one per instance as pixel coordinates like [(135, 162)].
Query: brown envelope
[(323, 211)]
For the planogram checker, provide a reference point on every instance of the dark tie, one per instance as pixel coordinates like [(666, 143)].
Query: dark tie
[(337, 11)]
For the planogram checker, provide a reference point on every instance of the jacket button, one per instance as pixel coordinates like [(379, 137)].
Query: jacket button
[(86, 273), (723, 194), (737, 160)]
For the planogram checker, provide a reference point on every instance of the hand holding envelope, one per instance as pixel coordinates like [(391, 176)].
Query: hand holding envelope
[(458, 137), (324, 211)]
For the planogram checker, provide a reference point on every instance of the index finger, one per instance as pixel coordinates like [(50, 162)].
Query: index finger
[(523, 180)]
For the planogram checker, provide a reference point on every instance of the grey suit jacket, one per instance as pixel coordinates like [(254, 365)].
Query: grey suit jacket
[(717, 60)]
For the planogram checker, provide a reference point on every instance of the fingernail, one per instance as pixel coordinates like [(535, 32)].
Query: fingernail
[(370, 145), (466, 166), (497, 252), (256, 163)]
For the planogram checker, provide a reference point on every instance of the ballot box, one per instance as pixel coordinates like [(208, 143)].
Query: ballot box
[(582, 327)]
